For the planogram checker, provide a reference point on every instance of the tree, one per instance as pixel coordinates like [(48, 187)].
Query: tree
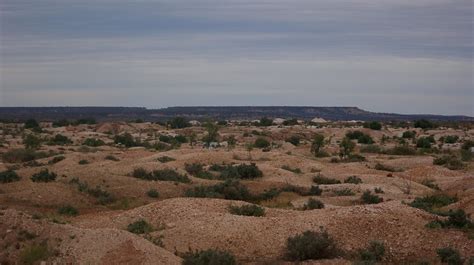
[(31, 123), (231, 141), (318, 143), (32, 142), (212, 133), (178, 123), (424, 124), (374, 125), (192, 139), (266, 122), (347, 146)]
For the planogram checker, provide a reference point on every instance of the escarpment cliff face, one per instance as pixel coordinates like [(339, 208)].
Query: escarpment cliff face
[(218, 112)]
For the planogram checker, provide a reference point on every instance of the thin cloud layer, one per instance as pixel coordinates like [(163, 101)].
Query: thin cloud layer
[(390, 56)]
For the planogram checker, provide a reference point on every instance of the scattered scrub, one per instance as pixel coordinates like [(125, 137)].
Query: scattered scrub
[(165, 159), (353, 180), (450, 256), (321, 180), (431, 203), (56, 159), (373, 253), (312, 204), (153, 193), (294, 170), (229, 190), (344, 192), (83, 162), (8, 176), (449, 161), (208, 257), (140, 227), (68, 210), (160, 174), (261, 143), (93, 142), (310, 245), (44, 176), (34, 253), (247, 210), (369, 198), (111, 158)]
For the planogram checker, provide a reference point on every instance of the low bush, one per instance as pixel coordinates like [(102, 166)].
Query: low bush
[(126, 140), (431, 203), (312, 204), (56, 159), (458, 219), (369, 198), (294, 140), (8, 176), (424, 124), (102, 196), (401, 150), (261, 143), (34, 254), (378, 190), (450, 139), (83, 162), (68, 210), (424, 142), (374, 125), (247, 210), (111, 158), (208, 257), (165, 159), (294, 170), (409, 134), (449, 161), (430, 183), (383, 167), (344, 192), (44, 176), (325, 181), (242, 171), (353, 158), (371, 148), (310, 245), (140, 227), (193, 168), (353, 180), (153, 193), (374, 252), (450, 256), (60, 139), (93, 142), (160, 174), (22, 155), (315, 191), (229, 190)]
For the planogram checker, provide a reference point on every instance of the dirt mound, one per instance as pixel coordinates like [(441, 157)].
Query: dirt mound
[(67, 244), (206, 223)]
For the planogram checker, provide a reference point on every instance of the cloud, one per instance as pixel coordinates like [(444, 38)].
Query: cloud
[(387, 55)]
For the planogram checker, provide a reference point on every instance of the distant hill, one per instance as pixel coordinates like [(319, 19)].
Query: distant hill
[(201, 113)]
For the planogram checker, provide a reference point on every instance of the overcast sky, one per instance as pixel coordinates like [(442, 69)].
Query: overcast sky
[(404, 56)]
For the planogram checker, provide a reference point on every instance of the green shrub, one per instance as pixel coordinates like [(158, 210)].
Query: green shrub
[(353, 158), (32, 142), (378, 190), (450, 256), (229, 190), (140, 227), (369, 198), (294, 140), (178, 123), (112, 158), (294, 170), (193, 168), (242, 171), (8, 176), (59, 139), (344, 192), (68, 210), (374, 125), (409, 134), (83, 162), (265, 122), (93, 142), (34, 254), (424, 124), (22, 155), (315, 191), (261, 143), (401, 150), (126, 140), (353, 180), (31, 123), (432, 202), (44, 176), (458, 219), (354, 135), (312, 204), (153, 193), (325, 181), (56, 159), (374, 252), (423, 142), (208, 257), (430, 183), (450, 139), (160, 174), (247, 210), (383, 167), (371, 148), (165, 159), (365, 139), (449, 161), (311, 245)]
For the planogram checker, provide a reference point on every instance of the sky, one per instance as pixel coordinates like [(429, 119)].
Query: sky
[(402, 56)]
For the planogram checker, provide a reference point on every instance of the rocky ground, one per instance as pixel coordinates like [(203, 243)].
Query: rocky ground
[(107, 198)]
